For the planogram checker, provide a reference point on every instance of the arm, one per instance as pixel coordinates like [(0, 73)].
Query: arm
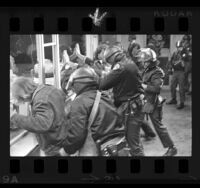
[(77, 131), (170, 63), (112, 79), (38, 123), (156, 82)]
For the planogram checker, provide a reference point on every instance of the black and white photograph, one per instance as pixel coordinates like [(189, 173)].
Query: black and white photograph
[(100, 95)]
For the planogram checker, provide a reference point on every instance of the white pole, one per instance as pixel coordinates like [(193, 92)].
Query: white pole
[(56, 61), (91, 45), (40, 58)]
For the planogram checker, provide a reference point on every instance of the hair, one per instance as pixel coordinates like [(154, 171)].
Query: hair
[(131, 47), (23, 58), (23, 83)]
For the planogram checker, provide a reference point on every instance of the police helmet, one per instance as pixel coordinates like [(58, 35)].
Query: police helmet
[(146, 54), (111, 53)]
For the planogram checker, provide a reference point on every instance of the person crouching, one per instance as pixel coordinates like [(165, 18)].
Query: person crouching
[(47, 116)]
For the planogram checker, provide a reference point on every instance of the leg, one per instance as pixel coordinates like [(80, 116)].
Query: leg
[(181, 82), (148, 131), (174, 83), (133, 133), (190, 83), (173, 86), (186, 85), (156, 118)]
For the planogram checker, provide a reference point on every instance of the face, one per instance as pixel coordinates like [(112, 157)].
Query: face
[(144, 64), (135, 51)]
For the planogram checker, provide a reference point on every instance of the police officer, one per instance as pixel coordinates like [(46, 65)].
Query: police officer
[(132, 53), (126, 82), (178, 77), (152, 82), (187, 58)]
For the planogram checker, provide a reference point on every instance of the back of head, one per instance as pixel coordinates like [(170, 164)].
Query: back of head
[(82, 78), (23, 85)]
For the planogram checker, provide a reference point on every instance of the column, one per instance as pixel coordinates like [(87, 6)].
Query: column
[(91, 45)]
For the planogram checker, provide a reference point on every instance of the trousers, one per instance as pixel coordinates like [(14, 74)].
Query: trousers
[(161, 130), (132, 123), (178, 78)]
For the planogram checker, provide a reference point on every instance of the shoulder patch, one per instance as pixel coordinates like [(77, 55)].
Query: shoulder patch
[(117, 66)]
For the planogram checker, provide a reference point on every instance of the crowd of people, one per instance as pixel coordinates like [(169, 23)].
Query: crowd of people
[(114, 94)]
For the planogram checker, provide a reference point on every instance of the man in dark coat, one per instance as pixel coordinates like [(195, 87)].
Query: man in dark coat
[(84, 82), (133, 50)]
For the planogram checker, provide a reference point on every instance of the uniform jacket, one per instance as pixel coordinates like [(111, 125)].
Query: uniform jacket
[(47, 118), (125, 80), (106, 122), (176, 60), (153, 78)]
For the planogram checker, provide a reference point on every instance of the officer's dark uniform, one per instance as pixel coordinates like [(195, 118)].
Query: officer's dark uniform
[(187, 58), (126, 82), (153, 77), (178, 77), (148, 131)]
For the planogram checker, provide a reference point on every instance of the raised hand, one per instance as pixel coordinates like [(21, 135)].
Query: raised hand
[(65, 56)]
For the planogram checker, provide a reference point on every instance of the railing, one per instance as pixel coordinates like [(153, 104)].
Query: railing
[(19, 136)]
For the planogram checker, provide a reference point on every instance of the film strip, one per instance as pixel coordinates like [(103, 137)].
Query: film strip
[(127, 20)]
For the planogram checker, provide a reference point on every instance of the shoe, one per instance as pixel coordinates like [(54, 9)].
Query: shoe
[(172, 101), (180, 106), (171, 151)]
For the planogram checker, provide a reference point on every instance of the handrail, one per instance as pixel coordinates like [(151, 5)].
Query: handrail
[(15, 139)]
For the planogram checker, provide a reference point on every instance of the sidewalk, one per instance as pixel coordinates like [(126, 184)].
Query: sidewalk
[(179, 124)]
